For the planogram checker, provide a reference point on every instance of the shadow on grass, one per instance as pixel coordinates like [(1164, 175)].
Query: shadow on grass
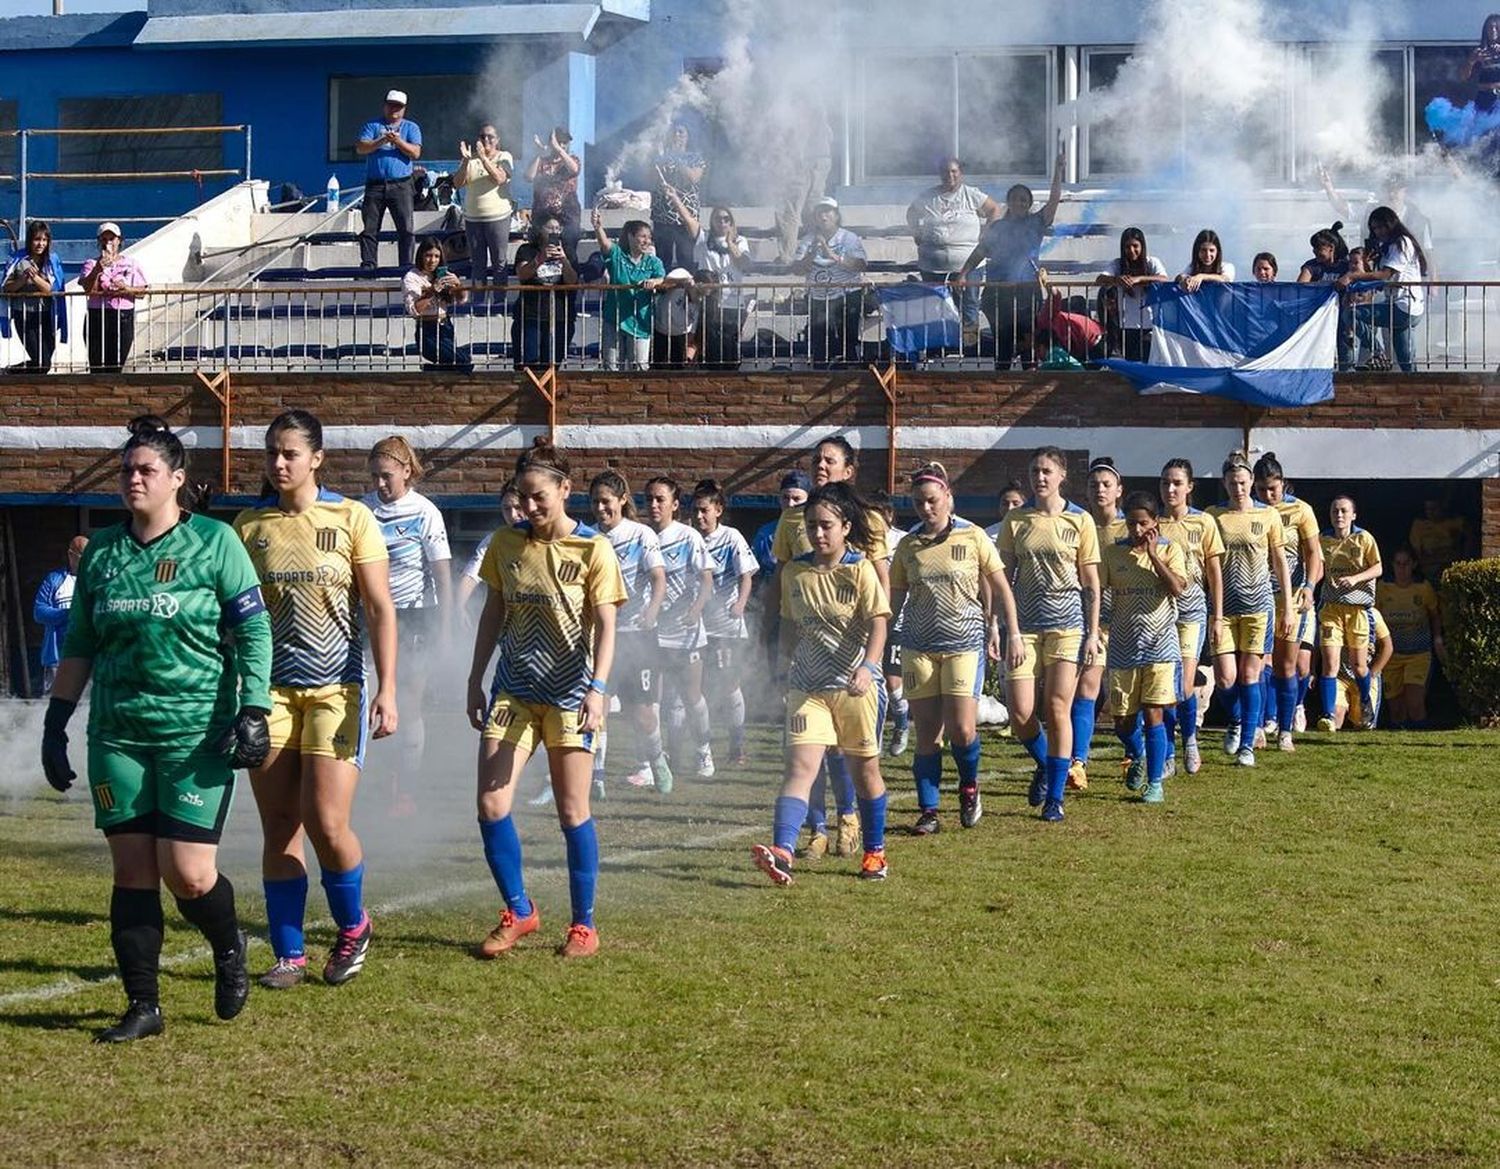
[(86, 1023), (52, 916), (34, 966)]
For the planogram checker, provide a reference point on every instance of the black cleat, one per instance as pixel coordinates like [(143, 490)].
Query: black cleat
[(231, 980), (969, 806), (140, 1021), (927, 824)]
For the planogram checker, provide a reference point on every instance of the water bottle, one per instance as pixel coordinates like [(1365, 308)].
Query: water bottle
[(333, 192)]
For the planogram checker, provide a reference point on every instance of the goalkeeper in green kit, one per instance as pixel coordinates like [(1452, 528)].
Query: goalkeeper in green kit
[(168, 620)]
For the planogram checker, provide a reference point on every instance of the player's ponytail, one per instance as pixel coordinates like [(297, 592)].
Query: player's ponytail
[(544, 457)]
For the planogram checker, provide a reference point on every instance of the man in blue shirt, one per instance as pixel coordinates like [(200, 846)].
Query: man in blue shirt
[(54, 600), (389, 146)]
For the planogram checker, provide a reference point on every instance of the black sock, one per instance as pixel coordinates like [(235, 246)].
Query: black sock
[(135, 929), (214, 915)]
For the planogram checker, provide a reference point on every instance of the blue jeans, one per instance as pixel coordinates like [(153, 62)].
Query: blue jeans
[(1368, 318), (435, 341)]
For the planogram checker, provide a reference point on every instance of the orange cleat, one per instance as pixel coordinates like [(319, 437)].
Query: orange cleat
[(873, 867), (502, 939), (582, 942), (775, 862)]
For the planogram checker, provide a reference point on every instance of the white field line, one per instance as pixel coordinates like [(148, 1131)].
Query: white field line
[(68, 986)]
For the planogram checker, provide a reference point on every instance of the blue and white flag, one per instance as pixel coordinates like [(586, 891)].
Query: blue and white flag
[(919, 317), (1261, 344)]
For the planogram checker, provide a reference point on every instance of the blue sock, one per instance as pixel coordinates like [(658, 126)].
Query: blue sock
[(872, 822), (345, 892), (286, 908), (1169, 721), (1134, 741), (1328, 695), (1250, 697), (816, 813), (1187, 717), (1304, 681), (502, 849), (1037, 747), (787, 821), (1286, 702), (1231, 699), (1267, 693), (966, 759), (583, 869), (1363, 682), (1083, 727), (842, 783), (1057, 778), (928, 771), (1156, 752)]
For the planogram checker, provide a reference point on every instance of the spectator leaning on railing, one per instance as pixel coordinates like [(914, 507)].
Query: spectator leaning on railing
[(945, 223), (389, 145), (633, 273), (430, 291), (1128, 318), (720, 252), (1012, 244), (1400, 262), (544, 318), (485, 173), (833, 259), (112, 281), (40, 317)]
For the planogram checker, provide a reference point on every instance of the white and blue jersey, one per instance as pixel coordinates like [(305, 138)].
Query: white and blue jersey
[(416, 538), (639, 552), (685, 558), (731, 561)]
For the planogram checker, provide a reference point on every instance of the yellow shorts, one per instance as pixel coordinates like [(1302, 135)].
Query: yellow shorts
[(1405, 670), (1344, 625), (1190, 639), (1151, 685), (835, 718), (1245, 634), (320, 720), (928, 675), (1348, 695), (1046, 647), (524, 724)]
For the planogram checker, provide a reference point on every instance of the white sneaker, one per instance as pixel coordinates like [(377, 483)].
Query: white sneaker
[(1260, 739), (705, 763), (899, 740), (1299, 720), (1272, 730), (1245, 757), (641, 778), (1232, 739), (1284, 742)]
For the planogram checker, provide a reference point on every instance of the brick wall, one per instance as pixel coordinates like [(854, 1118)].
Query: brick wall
[(1489, 533)]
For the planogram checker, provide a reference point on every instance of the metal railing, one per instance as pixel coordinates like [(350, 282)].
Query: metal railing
[(275, 327)]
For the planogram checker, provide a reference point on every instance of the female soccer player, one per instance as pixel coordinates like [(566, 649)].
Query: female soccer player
[(834, 617), (416, 540), (679, 630), (167, 619), (1290, 663), (321, 562), (734, 570), (1200, 606), (555, 586), (1145, 574), (833, 462), (1411, 609), (510, 515), (1348, 698), (1352, 564), (936, 574), (638, 673), (1252, 558), (1105, 489), (1050, 549)]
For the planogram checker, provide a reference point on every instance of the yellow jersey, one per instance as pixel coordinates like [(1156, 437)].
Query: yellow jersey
[(1344, 556), (832, 608), (790, 540), (1144, 629), (306, 567), (940, 575), (1299, 528), (1107, 534), (1437, 543), (1196, 534), (1048, 551), (1409, 609), (550, 589), (1249, 539)]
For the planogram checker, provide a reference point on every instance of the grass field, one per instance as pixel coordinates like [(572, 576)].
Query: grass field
[(1292, 966)]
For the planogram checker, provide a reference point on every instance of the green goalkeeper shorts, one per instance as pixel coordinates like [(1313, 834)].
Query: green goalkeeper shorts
[(177, 792)]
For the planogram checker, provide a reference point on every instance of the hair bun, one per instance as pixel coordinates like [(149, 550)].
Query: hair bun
[(1271, 455), (145, 424), (1338, 225), (541, 443), (706, 487)]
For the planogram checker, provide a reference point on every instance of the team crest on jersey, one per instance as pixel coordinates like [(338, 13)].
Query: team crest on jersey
[(503, 718), (568, 571), (104, 795), (328, 540), (166, 571), (798, 724), (959, 552), (1070, 535), (1257, 528), (1194, 536), (847, 594)]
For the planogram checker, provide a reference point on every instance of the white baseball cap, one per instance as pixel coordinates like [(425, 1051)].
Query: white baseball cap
[(109, 228), (395, 97), (826, 201)]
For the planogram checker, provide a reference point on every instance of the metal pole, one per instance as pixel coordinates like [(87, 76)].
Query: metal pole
[(247, 152), (25, 135)]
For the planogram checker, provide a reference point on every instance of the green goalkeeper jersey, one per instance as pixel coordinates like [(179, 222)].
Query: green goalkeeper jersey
[(176, 631)]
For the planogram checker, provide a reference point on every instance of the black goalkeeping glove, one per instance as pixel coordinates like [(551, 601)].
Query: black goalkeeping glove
[(247, 742), (55, 744)]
